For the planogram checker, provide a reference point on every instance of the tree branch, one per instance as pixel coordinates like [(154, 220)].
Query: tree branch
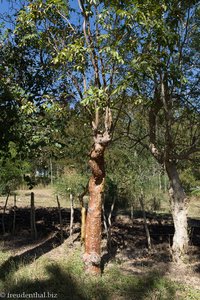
[(90, 43)]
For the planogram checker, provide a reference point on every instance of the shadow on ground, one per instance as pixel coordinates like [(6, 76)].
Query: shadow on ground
[(128, 240), (64, 285), (29, 256)]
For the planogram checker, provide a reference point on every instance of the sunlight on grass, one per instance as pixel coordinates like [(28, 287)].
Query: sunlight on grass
[(65, 277)]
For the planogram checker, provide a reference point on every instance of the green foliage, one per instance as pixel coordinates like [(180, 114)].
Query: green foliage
[(73, 53), (189, 180), (95, 97), (71, 183), (110, 192), (12, 170), (130, 174), (132, 43), (195, 191)]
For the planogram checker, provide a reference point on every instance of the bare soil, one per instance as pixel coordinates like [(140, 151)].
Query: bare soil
[(129, 246)]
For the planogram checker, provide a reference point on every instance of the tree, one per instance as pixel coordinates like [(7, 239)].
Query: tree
[(87, 61), (133, 49), (29, 93), (12, 166), (166, 66)]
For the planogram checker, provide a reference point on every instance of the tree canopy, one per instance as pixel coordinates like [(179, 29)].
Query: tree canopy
[(114, 80)]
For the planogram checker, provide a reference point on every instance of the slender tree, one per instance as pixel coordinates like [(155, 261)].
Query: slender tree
[(167, 67)]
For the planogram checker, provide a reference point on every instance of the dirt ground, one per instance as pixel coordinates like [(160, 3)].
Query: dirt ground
[(129, 247)]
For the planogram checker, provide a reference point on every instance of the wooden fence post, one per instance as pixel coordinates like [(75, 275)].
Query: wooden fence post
[(4, 211), (83, 221), (14, 214), (83, 213), (33, 223), (60, 220), (72, 214)]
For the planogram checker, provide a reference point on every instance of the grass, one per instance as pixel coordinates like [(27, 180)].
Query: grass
[(194, 207), (46, 197), (64, 277)]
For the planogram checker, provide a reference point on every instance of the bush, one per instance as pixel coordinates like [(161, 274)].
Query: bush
[(11, 174), (71, 182)]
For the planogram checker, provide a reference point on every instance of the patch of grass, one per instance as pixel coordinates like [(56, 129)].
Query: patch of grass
[(151, 286), (194, 207), (190, 294), (65, 278), (4, 255)]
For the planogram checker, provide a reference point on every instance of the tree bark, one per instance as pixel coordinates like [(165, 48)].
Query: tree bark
[(92, 256), (179, 207), (145, 221)]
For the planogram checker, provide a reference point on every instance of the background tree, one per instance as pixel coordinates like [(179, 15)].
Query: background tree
[(166, 65)]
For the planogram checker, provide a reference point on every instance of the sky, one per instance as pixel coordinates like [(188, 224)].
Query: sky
[(4, 6), (7, 6)]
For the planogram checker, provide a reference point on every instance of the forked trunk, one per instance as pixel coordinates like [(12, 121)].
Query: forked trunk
[(92, 256), (179, 207)]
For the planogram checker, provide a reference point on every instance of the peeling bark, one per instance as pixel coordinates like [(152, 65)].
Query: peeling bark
[(92, 256), (179, 207)]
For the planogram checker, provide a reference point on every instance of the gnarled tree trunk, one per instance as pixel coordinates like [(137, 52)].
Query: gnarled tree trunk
[(179, 207), (92, 256)]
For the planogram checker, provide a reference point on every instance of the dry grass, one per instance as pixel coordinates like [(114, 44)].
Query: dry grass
[(63, 276), (194, 207), (44, 197)]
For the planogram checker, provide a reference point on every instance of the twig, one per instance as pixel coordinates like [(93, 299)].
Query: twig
[(66, 19)]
